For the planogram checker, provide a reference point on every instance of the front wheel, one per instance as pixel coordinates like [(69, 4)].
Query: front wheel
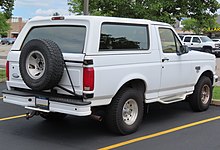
[(202, 95), (208, 50), (125, 113)]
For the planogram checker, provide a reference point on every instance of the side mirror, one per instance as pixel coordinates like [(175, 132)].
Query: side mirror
[(183, 50)]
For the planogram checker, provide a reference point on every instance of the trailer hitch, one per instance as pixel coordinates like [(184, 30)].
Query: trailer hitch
[(32, 114)]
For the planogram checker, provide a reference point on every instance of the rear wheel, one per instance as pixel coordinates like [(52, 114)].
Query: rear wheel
[(125, 113), (201, 98)]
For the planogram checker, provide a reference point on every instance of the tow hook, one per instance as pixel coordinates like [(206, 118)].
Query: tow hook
[(97, 118), (31, 114)]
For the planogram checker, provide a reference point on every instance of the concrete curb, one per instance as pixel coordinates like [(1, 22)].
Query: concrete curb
[(215, 102)]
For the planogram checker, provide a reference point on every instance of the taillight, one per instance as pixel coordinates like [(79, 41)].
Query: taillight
[(58, 18), (88, 79), (7, 70)]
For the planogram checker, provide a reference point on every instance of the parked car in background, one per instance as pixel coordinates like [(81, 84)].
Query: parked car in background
[(216, 40), (3, 41), (11, 41), (202, 43), (8, 41)]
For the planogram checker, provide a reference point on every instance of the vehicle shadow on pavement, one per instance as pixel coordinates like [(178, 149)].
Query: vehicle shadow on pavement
[(69, 127), (82, 128), (160, 112)]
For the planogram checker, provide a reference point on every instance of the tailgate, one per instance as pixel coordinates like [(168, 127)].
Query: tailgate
[(74, 63)]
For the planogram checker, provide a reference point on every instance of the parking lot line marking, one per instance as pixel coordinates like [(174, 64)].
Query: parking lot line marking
[(159, 133), (12, 117)]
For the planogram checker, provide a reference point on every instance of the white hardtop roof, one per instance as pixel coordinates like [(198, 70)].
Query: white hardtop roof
[(100, 19), (195, 35)]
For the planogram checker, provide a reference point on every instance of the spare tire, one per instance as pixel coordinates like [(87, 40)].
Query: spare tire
[(41, 64)]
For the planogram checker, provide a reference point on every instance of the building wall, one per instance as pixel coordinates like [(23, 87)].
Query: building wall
[(16, 24)]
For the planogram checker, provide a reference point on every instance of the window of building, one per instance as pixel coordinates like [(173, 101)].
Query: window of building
[(14, 19), (124, 37)]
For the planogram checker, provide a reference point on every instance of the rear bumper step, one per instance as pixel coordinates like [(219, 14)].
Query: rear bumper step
[(50, 96), (45, 102)]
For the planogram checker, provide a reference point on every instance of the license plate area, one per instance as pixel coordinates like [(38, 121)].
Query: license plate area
[(42, 102)]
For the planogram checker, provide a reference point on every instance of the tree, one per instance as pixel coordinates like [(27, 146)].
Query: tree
[(7, 6), (4, 26), (199, 26), (158, 10), (56, 14), (5, 14)]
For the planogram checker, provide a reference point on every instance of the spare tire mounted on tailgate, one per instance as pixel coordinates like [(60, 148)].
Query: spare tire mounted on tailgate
[(41, 64)]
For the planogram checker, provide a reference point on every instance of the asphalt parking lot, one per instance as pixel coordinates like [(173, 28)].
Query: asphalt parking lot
[(164, 127)]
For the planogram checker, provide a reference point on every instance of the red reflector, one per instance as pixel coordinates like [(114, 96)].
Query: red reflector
[(7, 70), (58, 18), (88, 79)]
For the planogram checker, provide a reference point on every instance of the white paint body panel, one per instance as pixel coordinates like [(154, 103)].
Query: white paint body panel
[(175, 78)]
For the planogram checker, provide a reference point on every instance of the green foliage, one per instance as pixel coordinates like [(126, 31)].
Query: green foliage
[(199, 26), (7, 6), (216, 92), (158, 10), (4, 26), (2, 75), (5, 14), (191, 25)]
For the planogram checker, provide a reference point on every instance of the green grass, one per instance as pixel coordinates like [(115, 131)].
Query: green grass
[(2, 75), (216, 92)]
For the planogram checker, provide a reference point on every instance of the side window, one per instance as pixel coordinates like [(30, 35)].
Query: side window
[(187, 39), (123, 37), (169, 42), (196, 40)]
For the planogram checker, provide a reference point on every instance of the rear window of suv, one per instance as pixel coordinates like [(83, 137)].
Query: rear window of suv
[(70, 39)]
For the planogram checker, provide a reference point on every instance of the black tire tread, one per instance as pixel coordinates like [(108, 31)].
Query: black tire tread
[(57, 66), (112, 119), (54, 63), (194, 101)]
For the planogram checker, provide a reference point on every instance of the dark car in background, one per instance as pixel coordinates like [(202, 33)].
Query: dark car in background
[(8, 41)]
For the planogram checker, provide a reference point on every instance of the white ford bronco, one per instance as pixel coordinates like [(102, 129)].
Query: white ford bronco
[(104, 66)]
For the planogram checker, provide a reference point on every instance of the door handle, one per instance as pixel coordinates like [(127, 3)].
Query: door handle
[(165, 59)]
